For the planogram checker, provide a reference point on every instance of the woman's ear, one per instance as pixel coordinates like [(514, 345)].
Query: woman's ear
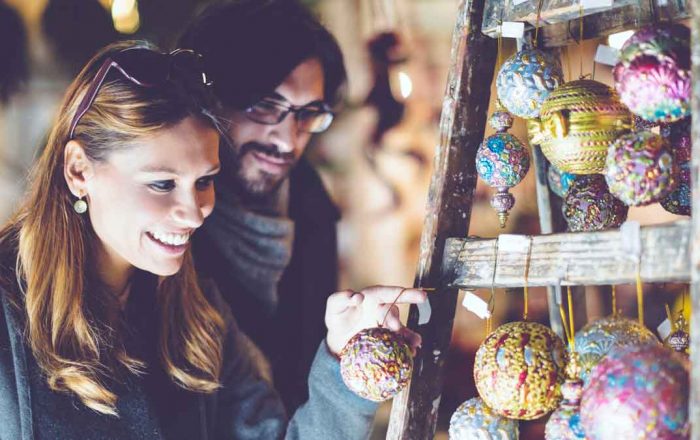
[(77, 168)]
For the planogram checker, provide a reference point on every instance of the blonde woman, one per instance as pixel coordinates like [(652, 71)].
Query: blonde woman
[(105, 332)]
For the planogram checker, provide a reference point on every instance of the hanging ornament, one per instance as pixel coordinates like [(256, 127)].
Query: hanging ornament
[(559, 182), (519, 369), (578, 122), (473, 420), (526, 79), (597, 338), (376, 364), (502, 161), (640, 169), (679, 339), (678, 136), (565, 422), (637, 392), (589, 206), (653, 74)]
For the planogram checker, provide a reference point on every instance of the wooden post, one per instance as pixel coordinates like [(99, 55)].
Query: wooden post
[(462, 124)]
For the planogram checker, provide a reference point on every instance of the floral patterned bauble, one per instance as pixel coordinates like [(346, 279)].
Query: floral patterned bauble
[(637, 392), (376, 364), (519, 370), (597, 338), (474, 420), (578, 122), (526, 79), (640, 168), (589, 206), (502, 160), (559, 182), (565, 421), (653, 74)]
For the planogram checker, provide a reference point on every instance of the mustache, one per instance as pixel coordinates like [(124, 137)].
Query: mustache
[(270, 150)]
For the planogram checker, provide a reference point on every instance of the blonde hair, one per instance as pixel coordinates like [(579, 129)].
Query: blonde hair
[(68, 325)]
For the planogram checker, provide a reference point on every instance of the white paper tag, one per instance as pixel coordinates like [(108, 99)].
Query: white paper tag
[(607, 55), (631, 239), (512, 29), (661, 2), (476, 305), (513, 243), (596, 4), (664, 329), (519, 2), (424, 312)]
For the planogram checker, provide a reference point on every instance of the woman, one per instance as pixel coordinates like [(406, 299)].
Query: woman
[(104, 330)]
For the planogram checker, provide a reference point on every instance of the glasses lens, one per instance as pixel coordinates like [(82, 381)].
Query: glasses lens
[(189, 65), (314, 121), (265, 112)]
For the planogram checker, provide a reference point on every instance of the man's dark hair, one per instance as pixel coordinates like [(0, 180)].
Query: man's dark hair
[(250, 46)]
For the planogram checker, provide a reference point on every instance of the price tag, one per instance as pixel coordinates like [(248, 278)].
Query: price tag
[(631, 239), (664, 329), (512, 29), (596, 4), (424, 312), (476, 305), (607, 55), (513, 243)]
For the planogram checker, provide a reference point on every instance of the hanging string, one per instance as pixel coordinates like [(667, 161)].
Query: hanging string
[(640, 298), (527, 273), (580, 36), (572, 328), (614, 301), (537, 21)]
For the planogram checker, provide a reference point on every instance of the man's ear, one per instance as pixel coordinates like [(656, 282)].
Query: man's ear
[(77, 168)]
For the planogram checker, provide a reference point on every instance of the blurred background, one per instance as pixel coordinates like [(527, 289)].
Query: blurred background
[(376, 159)]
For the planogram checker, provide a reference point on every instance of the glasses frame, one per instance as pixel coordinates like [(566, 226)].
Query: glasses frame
[(286, 110), (103, 71)]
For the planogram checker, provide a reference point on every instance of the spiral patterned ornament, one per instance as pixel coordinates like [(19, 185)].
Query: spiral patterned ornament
[(640, 168), (589, 206), (653, 75), (597, 338), (578, 122), (519, 369), (376, 364), (559, 182), (565, 421), (637, 392), (473, 420), (526, 79)]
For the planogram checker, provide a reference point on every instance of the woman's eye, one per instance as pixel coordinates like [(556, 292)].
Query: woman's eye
[(205, 182), (162, 185)]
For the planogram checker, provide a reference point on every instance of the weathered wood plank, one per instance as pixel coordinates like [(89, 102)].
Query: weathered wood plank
[(597, 258), (694, 413), (463, 120)]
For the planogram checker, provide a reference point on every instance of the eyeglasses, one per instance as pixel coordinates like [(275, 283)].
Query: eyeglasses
[(314, 118), (147, 68)]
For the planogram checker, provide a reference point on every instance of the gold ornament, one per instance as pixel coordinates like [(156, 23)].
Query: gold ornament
[(578, 122)]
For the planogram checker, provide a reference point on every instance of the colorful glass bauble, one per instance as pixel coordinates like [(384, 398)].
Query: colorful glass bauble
[(502, 161), (376, 364), (578, 122), (679, 339), (526, 79), (637, 392), (565, 421), (597, 338), (519, 369), (473, 420), (640, 168), (653, 74), (589, 206), (559, 182)]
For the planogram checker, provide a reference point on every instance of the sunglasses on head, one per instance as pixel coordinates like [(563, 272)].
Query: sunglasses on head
[(146, 68)]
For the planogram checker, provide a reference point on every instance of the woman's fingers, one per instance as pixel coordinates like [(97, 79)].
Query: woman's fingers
[(339, 302), (390, 318)]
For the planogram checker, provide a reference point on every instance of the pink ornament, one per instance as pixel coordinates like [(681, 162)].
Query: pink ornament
[(653, 75), (565, 421), (589, 206), (637, 392)]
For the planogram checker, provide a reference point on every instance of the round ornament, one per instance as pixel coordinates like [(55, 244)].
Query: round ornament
[(679, 339), (474, 420), (653, 74), (376, 364), (526, 79), (637, 392), (565, 421), (678, 136), (640, 168), (589, 206), (597, 338), (559, 182), (578, 122), (679, 200), (519, 369)]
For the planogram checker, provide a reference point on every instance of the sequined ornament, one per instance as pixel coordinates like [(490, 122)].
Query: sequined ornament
[(526, 79), (473, 420), (589, 206), (519, 369), (639, 124), (559, 182), (502, 161), (679, 339), (578, 122), (637, 392), (653, 75), (678, 136), (597, 338), (376, 364), (565, 421), (640, 169)]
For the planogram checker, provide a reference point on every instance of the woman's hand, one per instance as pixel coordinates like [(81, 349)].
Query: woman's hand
[(348, 312)]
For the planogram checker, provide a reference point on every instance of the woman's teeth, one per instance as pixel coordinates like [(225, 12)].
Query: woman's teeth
[(171, 239)]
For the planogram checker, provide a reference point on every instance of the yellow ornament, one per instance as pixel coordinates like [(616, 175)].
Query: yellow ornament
[(519, 369), (578, 122)]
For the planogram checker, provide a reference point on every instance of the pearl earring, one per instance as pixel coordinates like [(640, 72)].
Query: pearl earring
[(80, 206)]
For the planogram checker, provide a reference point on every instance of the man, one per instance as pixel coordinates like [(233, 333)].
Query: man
[(270, 244)]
